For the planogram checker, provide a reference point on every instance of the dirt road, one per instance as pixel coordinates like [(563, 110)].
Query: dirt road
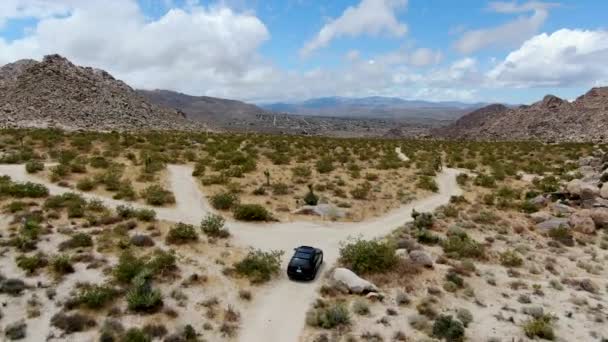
[(278, 309)]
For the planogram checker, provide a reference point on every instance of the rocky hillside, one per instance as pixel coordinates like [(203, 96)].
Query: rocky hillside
[(213, 111), (57, 93), (552, 119)]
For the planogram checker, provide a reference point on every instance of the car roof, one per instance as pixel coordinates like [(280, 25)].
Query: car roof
[(306, 249)]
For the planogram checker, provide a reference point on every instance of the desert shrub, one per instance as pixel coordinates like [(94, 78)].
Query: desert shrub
[(462, 179), (95, 296), (16, 206), (328, 317), (311, 198), (181, 233), (99, 162), (422, 220), (125, 211), (485, 181), (427, 183), (368, 256), (85, 184), (541, 327), (136, 335), (361, 192), (301, 173), (34, 166), (252, 212), (62, 264), (145, 215), (325, 165), (280, 189), (213, 225), (128, 267), (127, 192), (142, 297), (31, 263), (224, 201), (71, 323), (156, 195), (427, 237), (528, 207), (547, 184), (58, 172), (161, 262), (361, 308), (445, 327), (462, 246), (259, 266), (511, 259), (562, 235), (465, 316), (22, 190), (77, 240), (259, 191), (64, 201)]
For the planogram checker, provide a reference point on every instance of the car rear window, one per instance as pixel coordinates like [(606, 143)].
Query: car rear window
[(300, 262), (303, 255)]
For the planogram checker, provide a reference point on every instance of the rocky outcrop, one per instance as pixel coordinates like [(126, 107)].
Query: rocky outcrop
[(57, 93), (552, 118), (345, 278), (421, 258), (582, 222)]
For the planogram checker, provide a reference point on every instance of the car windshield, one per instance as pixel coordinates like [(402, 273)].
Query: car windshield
[(302, 255)]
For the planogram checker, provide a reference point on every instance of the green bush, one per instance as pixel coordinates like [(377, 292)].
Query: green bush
[(62, 264), (156, 195), (260, 266), (95, 296), (368, 256), (145, 215), (563, 235), (128, 267), (31, 263), (85, 184), (142, 297), (34, 166), (328, 317), (449, 329), (485, 181), (361, 191), (422, 220), (427, 183), (224, 201), (462, 246), (136, 335), (462, 179), (325, 165), (22, 190), (511, 259), (213, 225), (252, 212), (77, 240), (181, 233), (541, 327)]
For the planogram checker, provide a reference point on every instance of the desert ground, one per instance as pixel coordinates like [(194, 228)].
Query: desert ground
[(496, 241)]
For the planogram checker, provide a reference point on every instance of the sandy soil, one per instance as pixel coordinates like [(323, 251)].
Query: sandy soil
[(278, 309)]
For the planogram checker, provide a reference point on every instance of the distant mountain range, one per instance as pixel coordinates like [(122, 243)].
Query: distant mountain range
[(375, 107), (551, 119)]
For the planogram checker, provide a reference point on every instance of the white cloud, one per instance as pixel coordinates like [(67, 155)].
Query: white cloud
[(372, 17), (511, 33), (563, 58), (424, 57), (192, 50)]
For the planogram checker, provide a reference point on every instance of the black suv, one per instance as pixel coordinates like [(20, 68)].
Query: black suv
[(305, 263)]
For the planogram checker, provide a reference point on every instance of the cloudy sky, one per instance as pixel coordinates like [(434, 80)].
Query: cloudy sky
[(283, 50)]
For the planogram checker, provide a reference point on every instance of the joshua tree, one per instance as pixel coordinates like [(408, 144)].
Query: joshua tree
[(267, 174)]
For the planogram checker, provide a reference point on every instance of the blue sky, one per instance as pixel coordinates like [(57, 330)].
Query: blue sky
[(261, 51)]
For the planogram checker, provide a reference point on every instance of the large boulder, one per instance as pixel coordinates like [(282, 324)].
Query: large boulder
[(589, 191), (539, 201), (604, 191), (600, 217), (343, 277), (540, 216), (582, 221), (574, 187), (561, 209), (419, 257), (553, 223)]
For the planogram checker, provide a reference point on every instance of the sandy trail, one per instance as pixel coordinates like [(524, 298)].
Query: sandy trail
[(279, 308)]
